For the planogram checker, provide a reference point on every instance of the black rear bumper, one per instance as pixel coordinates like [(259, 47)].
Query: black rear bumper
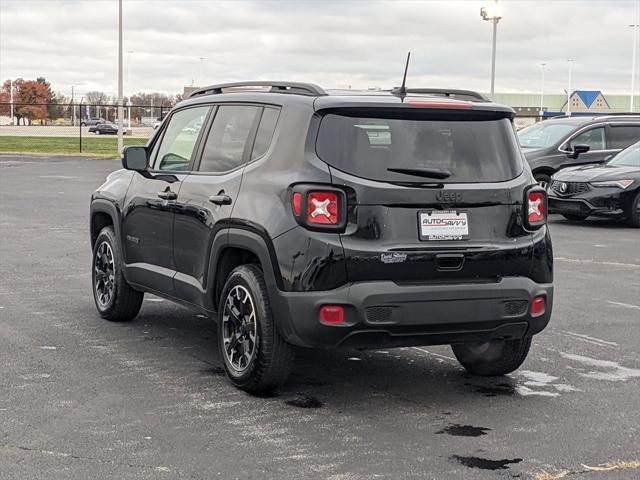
[(384, 314)]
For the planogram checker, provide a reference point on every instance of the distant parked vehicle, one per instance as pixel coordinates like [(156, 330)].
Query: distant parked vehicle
[(92, 121), (569, 141), (104, 129), (609, 190)]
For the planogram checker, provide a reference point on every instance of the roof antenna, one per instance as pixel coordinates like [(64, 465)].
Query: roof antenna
[(403, 89)]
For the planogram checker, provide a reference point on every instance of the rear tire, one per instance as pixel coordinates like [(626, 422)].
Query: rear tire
[(543, 180), (256, 358), (494, 358), (115, 299), (633, 216), (574, 217)]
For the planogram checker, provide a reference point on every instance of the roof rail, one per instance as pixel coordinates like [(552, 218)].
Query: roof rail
[(446, 92), (274, 87)]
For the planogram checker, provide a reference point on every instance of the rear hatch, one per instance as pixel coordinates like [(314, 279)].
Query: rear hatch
[(434, 194)]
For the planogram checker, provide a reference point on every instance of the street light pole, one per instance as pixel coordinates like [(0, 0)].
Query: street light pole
[(541, 112), (11, 94), (201, 80), (635, 27), (570, 61), (492, 14), (120, 99)]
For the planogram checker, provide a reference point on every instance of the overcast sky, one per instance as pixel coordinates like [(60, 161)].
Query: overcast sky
[(333, 43)]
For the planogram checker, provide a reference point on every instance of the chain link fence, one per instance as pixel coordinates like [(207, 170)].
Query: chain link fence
[(49, 128)]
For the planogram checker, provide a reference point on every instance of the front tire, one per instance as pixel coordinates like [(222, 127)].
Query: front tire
[(543, 180), (114, 298), (633, 216), (255, 356), (494, 358)]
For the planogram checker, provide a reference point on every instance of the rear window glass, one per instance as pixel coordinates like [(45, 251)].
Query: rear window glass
[(467, 151)]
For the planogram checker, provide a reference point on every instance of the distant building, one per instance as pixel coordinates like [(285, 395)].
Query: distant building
[(591, 101)]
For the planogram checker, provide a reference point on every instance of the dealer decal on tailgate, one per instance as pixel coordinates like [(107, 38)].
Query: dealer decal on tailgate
[(443, 225)]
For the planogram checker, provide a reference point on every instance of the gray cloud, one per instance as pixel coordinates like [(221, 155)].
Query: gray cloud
[(333, 43)]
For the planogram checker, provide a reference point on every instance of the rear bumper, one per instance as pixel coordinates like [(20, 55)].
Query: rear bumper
[(383, 313)]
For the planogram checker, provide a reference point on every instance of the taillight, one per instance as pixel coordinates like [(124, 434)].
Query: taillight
[(322, 208), (536, 207), (319, 208)]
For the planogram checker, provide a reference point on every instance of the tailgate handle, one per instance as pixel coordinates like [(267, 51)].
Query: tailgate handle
[(449, 262)]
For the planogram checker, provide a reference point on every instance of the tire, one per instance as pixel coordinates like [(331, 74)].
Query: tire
[(543, 180), (492, 359), (244, 296), (574, 217), (83, 124), (633, 216), (114, 298)]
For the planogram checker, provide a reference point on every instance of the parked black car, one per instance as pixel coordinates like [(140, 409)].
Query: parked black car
[(564, 142), (104, 129), (609, 190), (297, 216)]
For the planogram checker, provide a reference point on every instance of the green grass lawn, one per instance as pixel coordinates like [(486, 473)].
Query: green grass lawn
[(102, 146)]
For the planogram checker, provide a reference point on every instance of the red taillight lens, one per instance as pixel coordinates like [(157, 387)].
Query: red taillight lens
[(536, 208), (322, 208), (332, 315), (538, 306), (296, 203)]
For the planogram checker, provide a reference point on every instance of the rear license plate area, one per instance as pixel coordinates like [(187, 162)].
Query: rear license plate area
[(434, 225)]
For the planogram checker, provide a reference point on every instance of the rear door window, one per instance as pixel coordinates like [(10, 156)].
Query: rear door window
[(265, 132), (468, 150), (229, 138), (621, 136)]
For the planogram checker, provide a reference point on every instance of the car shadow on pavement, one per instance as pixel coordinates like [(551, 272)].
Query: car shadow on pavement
[(592, 222), (343, 378)]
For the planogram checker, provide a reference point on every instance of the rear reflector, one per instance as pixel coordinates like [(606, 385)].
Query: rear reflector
[(332, 315), (454, 105), (536, 208), (538, 306)]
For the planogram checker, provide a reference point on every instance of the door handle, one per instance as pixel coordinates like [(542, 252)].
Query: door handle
[(168, 195), (220, 199)]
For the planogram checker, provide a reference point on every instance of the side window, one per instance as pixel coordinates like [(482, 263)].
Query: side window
[(594, 138), (265, 132), (624, 135), (179, 139), (227, 139)]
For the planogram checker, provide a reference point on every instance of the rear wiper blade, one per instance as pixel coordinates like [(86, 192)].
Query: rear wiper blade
[(423, 172)]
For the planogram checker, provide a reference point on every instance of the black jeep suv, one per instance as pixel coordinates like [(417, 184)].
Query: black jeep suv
[(297, 216)]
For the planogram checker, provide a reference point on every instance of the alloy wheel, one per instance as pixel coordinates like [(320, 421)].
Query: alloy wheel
[(239, 328), (104, 274)]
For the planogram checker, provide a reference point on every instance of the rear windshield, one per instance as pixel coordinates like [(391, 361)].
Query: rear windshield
[(467, 151)]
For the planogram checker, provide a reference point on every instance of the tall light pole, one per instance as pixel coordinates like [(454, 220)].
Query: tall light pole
[(542, 91), (130, 53), (635, 27), (570, 62), (491, 13), (120, 99), (11, 95), (201, 80)]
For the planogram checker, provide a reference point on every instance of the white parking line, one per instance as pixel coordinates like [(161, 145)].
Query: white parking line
[(596, 262), (626, 305)]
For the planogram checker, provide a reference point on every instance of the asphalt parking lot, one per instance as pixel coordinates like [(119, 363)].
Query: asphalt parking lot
[(83, 398)]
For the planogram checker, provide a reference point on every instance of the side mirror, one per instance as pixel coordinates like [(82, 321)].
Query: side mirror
[(578, 149), (135, 158)]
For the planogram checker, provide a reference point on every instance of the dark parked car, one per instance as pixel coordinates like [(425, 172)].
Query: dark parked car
[(92, 121), (104, 129), (298, 216), (569, 141), (609, 190)]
